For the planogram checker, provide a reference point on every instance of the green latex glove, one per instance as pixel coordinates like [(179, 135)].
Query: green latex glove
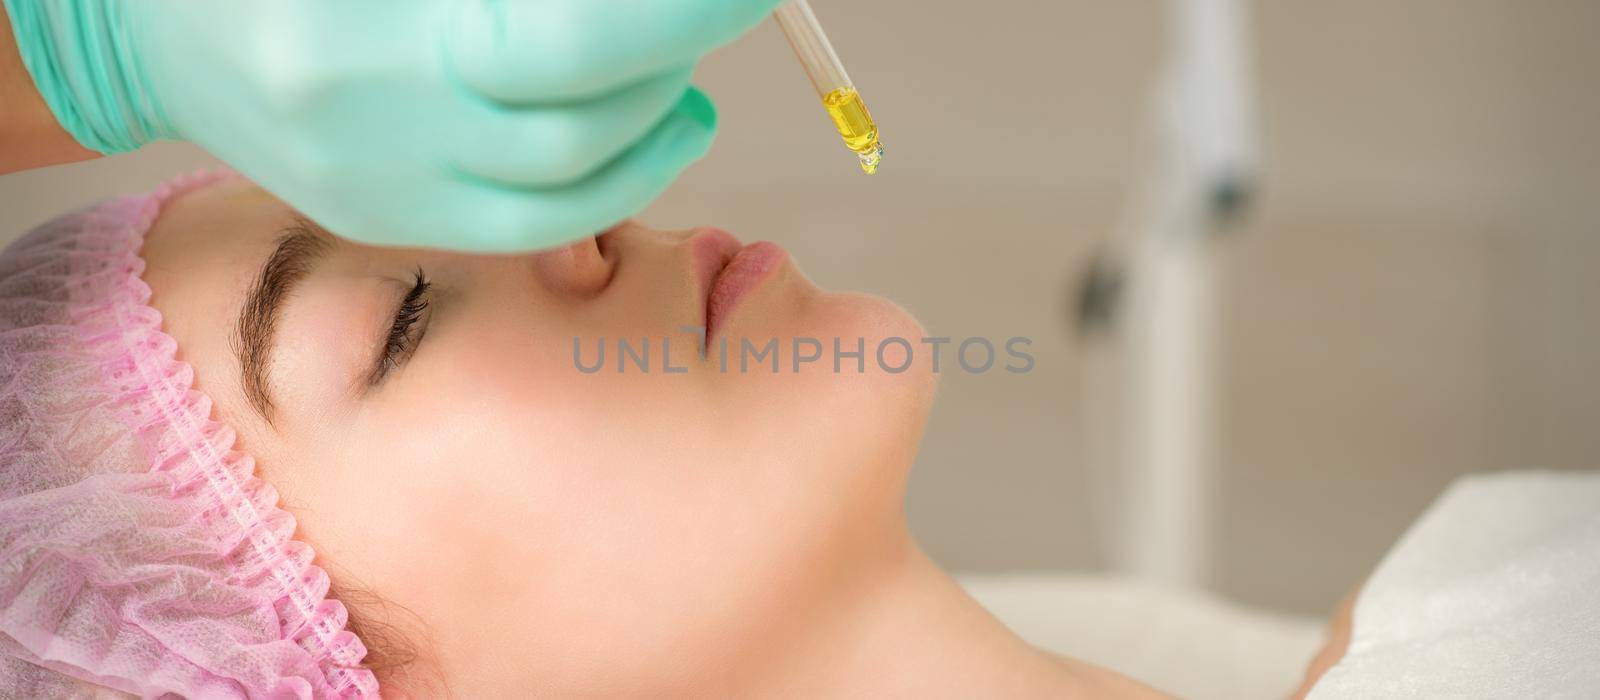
[(479, 125)]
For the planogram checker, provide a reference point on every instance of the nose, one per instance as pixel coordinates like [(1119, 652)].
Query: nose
[(579, 269)]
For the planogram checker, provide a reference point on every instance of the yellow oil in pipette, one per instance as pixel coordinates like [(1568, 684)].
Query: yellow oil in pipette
[(839, 95), (855, 126)]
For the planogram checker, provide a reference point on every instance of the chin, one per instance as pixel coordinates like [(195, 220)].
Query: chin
[(874, 419), (891, 389), (875, 320), (869, 316)]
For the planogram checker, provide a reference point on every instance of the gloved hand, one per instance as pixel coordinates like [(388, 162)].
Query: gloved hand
[(481, 125)]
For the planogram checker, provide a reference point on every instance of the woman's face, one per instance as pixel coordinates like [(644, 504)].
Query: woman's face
[(441, 447)]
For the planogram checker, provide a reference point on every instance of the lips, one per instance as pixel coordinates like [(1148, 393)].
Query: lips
[(711, 248), (729, 271), (748, 268)]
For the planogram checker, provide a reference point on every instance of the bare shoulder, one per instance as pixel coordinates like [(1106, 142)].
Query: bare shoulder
[(1333, 651), (1098, 682)]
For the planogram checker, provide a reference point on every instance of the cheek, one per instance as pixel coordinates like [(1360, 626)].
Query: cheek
[(631, 510), (495, 457)]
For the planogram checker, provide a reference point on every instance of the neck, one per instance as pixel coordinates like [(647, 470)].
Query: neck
[(886, 622), (910, 630)]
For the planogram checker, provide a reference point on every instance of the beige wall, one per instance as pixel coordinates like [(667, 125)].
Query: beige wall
[(1412, 301), (1417, 298)]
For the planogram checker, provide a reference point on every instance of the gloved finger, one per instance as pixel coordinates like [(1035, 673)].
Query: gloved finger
[(558, 50), (509, 219), (560, 145)]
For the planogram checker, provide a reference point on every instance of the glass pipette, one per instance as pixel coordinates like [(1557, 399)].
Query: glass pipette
[(839, 96)]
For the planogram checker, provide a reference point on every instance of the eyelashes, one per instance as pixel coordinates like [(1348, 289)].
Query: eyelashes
[(407, 330)]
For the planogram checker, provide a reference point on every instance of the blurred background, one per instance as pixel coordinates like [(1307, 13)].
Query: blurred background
[(1410, 296)]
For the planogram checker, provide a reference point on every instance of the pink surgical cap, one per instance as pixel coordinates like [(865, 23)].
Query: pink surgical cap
[(138, 551)]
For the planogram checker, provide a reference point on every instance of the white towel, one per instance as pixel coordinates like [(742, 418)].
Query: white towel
[(1493, 593)]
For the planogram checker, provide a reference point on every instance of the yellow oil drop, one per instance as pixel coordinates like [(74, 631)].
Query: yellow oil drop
[(855, 126)]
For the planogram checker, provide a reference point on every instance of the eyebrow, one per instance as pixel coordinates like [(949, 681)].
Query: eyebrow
[(300, 246)]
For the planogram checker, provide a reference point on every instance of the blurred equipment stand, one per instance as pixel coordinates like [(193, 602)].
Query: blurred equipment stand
[(1147, 311)]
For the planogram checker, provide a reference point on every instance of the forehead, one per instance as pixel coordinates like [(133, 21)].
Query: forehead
[(200, 258), (211, 239)]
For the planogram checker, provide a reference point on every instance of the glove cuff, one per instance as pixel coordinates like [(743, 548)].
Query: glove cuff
[(83, 63)]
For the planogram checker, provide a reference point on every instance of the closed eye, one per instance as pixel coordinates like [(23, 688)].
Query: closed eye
[(405, 333)]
